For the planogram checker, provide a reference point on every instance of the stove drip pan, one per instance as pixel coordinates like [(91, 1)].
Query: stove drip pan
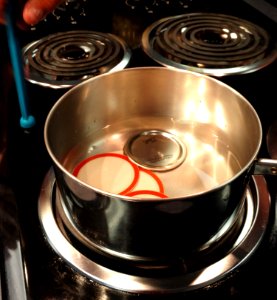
[(64, 59), (208, 43), (182, 275)]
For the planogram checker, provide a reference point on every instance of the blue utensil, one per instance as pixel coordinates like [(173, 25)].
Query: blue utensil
[(26, 120)]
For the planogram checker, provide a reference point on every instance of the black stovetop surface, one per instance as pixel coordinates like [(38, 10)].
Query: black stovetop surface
[(27, 161)]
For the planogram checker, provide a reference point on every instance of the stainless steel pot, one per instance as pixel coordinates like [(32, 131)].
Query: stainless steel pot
[(198, 135)]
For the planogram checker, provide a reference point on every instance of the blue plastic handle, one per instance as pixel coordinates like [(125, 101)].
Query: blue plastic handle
[(26, 120)]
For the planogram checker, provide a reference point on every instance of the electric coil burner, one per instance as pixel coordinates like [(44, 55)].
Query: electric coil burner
[(64, 59), (213, 44), (53, 263), (202, 270)]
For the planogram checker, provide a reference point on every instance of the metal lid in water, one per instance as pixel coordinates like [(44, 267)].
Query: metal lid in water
[(156, 150)]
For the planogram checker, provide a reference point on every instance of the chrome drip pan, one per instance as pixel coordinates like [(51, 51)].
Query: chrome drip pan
[(187, 276), (208, 43), (63, 59)]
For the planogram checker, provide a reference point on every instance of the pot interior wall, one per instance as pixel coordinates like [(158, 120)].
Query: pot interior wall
[(219, 129)]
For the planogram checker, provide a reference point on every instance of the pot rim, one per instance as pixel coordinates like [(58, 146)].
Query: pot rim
[(245, 168)]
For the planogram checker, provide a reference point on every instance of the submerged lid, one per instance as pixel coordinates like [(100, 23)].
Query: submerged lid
[(213, 44), (66, 58), (155, 150)]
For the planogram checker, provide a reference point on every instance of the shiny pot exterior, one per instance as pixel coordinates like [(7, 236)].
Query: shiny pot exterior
[(152, 229)]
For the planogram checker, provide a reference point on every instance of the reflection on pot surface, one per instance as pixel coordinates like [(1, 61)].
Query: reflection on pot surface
[(202, 162), (194, 120)]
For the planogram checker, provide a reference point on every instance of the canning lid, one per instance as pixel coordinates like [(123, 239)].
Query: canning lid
[(155, 150), (113, 172)]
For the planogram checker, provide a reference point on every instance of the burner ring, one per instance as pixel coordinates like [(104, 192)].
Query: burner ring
[(247, 241), (72, 52), (213, 44), (66, 58)]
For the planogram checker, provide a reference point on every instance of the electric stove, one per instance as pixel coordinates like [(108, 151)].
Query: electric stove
[(40, 258)]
